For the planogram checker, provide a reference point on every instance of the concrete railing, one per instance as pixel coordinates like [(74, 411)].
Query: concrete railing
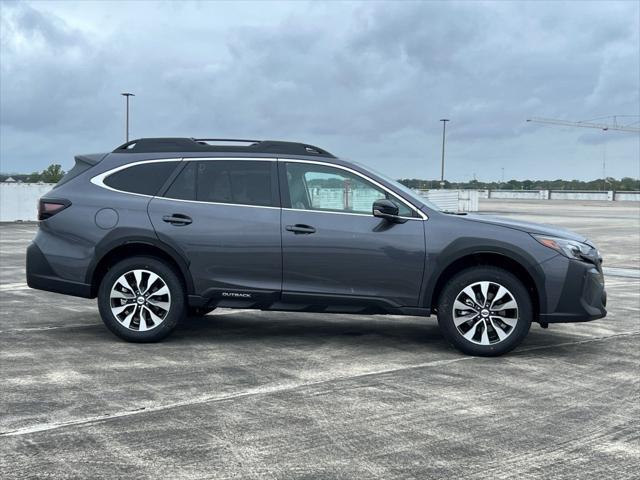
[(453, 200), (19, 201), (610, 195), (626, 196), (362, 199)]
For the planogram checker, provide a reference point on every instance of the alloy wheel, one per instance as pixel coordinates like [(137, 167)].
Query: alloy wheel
[(140, 300), (485, 313)]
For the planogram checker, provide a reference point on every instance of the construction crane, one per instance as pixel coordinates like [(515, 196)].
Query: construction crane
[(614, 125)]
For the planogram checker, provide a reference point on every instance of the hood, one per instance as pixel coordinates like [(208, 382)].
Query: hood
[(528, 227)]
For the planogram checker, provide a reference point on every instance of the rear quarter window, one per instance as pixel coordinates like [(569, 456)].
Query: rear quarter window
[(145, 179)]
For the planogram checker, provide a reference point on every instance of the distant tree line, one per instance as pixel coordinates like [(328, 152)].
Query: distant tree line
[(52, 174), (624, 184)]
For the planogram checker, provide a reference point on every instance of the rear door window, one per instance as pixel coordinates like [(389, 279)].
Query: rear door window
[(184, 186), (238, 182), (145, 179)]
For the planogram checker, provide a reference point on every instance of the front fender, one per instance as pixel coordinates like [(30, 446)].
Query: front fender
[(467, 247)]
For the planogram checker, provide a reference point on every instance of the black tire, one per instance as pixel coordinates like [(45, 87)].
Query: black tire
[(515, 333), (200, 311), (169, 318)]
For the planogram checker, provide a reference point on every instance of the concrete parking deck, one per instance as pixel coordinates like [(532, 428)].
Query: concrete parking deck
[(248, 394), (613, 226)]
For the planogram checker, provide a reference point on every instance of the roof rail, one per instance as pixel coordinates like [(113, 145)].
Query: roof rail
[(234, 140), (159, 145)]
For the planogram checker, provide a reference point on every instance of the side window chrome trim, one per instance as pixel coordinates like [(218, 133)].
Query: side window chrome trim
[(100, 178), (423, 216)]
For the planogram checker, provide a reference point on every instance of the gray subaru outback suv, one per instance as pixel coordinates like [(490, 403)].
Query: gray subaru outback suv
[(162, 228)]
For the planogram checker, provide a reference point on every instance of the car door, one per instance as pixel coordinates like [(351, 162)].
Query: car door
[(224, 216), (332, 245)]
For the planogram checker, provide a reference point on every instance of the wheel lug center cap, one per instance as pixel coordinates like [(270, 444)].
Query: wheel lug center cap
[(140, 300), (484, 312)]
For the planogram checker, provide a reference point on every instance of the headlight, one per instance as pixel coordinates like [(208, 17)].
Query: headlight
[(568, 248)]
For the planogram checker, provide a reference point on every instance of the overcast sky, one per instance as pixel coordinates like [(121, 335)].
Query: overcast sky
[(366, 81)]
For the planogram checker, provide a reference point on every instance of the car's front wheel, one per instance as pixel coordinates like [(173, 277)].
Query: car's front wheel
[(485, 311), (141, 299)]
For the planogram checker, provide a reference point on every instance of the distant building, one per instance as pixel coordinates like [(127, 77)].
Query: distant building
[(10, 180)]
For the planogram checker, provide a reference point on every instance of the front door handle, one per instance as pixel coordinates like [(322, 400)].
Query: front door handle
[(300, 229), (178, 219)]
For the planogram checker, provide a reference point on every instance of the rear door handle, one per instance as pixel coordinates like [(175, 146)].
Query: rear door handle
[(177, 219), (300, 229)]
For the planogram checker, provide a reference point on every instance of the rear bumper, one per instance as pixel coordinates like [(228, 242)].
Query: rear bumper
[(583, 296), (41, 276)]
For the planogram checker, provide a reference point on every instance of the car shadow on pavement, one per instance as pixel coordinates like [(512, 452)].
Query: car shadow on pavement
[(243, 326), (289, 329), (375, 331)]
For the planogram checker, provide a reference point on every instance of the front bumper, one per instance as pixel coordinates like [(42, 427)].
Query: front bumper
[(41, 276), (583, 297)]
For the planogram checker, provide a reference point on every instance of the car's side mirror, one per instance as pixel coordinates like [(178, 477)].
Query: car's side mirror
[(388, 210)]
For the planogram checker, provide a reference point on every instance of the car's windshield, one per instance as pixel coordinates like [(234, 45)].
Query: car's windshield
[(410, 194)]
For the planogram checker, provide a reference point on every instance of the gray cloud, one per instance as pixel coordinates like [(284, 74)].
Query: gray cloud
[(369, 81)]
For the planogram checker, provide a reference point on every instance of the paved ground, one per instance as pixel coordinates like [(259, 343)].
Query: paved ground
[(273, 395), (613, 226)]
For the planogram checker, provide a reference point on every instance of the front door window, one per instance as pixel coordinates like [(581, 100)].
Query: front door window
[(330, 189)]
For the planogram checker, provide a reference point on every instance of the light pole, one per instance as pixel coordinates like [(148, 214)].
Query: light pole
[(444, 129), (126, 128)]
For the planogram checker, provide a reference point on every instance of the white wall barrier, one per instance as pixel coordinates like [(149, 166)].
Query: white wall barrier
[(453, 200), (516, 194), (580, 195), (362, 199), (19, 201), (468, 201), (627, 196), (445, 199), (606, 196)]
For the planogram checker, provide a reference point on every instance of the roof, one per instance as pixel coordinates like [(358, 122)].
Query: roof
[(159, 145)]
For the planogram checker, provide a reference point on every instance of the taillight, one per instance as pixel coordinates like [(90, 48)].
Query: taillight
[(48, 208)]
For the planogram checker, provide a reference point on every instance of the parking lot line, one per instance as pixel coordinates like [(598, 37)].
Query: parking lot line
[(621, 272), (13, 286)]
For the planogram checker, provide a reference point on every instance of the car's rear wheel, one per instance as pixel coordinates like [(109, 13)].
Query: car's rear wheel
[(141, 299), (485, 311)]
